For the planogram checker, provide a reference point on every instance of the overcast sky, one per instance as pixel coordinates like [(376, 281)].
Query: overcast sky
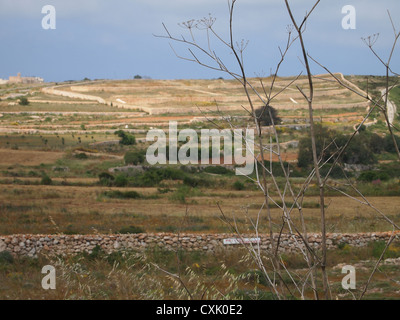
[(115, 39)]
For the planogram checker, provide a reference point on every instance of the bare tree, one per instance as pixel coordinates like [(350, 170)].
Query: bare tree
[(270, 261)]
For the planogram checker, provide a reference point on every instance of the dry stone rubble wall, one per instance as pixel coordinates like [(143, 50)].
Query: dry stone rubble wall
[(31, 245)]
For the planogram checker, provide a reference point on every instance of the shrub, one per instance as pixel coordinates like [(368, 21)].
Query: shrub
[(46, 180), (96, 253), (81, 156), (106, 179), (154, 176), (131, 230), (379, 246), (217, 170), (370, 176), (123, 195), (388, 144), (121, 181), (361, 149), (376, 143), (178, 196), (6, 258), (196, 182), (182, 192), (191, 182), (127, 139), (23, 101), (134, 157), (336, 172), (264, 114), (238, 185), (70, 230)]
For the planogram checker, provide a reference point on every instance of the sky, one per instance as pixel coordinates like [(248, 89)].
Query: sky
[(104, 39)]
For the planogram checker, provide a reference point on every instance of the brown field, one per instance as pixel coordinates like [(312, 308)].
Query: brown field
[(54, 133), (83, 208), (27, 157), (191, 96)]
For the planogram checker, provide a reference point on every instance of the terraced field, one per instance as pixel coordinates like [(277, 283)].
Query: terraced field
[(195, 96), (64, 170)]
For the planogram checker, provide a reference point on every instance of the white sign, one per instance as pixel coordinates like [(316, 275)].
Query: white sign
[(241, 241)]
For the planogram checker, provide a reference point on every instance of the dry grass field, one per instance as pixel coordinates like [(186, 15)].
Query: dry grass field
[(166, 96), (55, 151), (28, 157)]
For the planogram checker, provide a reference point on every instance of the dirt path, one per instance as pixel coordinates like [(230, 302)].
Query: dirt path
[(391, 107)]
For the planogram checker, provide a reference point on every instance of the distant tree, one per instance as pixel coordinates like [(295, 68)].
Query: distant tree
[(46, 180), (106, 179), (127, 139), (23, 101), (264, 114), (134, 157), (361, 150), (376, 143), (121, 180), (137, 77), (389, 145)]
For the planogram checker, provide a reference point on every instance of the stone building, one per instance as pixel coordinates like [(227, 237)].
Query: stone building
[(19, 79)]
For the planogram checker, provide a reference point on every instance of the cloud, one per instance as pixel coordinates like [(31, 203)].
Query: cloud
[(125, 28), (33, 8)]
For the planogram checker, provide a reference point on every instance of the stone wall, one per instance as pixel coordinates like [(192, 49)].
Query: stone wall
[(31, 245), (73, 95)]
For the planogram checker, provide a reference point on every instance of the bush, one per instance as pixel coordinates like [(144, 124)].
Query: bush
[(178, 196), (238, 185), (81, 156), (264, 114), (23, 101), (6, 258), (46, 180), (376, 143), (127, 139), (196, 182), (131, 230), (96, 253), (191, 182), (276, 167), (106, 179), (336, 172), (134, 157), (370, 176), (217, 170), (182, 192), (379, 246), (388, 144), (361, 149), (116, 194), (121, 181), (153, 177)]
